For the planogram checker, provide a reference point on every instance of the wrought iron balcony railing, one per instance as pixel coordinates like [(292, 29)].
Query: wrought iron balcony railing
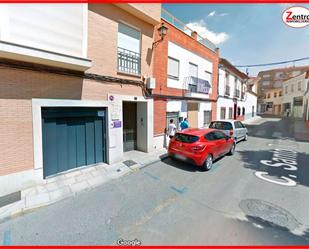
[(236, 93), (129, 61), (227, 90), (196, 85)]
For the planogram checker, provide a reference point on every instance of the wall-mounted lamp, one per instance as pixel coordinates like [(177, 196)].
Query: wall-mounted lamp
[(162, 31)]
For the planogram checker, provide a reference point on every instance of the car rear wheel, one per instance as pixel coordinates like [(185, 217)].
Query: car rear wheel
[(208, 163), (232, 150), (246, 137)]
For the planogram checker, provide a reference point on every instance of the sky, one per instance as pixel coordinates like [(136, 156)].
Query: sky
[(247, 33)]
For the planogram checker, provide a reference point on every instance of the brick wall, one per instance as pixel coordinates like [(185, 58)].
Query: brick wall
[(17, 88)]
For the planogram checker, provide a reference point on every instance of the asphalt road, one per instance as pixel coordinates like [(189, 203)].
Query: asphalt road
[(252, 197)]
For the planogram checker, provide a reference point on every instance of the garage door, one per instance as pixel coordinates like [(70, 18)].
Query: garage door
[(72, 137)]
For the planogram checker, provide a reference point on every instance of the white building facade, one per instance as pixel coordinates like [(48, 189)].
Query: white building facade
[(184, 67), (236, 99), (294, 99)]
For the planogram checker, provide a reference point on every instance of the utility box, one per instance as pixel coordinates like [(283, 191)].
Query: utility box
[(150, 83)]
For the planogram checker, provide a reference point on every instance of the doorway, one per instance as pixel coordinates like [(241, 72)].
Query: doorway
[(129, 112), (193, 114)]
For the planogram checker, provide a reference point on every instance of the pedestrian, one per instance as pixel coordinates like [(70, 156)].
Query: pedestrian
[(184, 124), (171, 130)]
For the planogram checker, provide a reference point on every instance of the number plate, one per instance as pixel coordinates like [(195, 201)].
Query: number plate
[(180, 157)]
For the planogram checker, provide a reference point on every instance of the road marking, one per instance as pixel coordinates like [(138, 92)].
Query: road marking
[(180, 191), (152, 176), (7, 238), (293, 176)]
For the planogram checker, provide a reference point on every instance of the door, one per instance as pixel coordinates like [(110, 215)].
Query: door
[(193, 114), (216, 142), (129, 126), (72, 137), (240, 130)]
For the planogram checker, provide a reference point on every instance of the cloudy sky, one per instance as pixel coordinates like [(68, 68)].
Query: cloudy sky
[(246, 34)]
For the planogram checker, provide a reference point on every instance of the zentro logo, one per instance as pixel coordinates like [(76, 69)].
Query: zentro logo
[(296, 17)]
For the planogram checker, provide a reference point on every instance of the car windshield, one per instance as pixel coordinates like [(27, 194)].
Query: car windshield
[(185, 138), (220, 125)]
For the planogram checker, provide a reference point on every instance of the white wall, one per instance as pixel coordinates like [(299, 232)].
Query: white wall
[(250, 100), (203, 106), (60, 28), (177, 106), (224, 102), (185, 57)]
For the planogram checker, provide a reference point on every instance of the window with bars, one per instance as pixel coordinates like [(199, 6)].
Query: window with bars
[(207, 118), (222, 113), (129, 58)]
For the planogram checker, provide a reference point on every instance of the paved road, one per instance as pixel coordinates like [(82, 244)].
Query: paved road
[(253, 197)]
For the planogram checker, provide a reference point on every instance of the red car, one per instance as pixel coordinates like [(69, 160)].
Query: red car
[(200, 146)]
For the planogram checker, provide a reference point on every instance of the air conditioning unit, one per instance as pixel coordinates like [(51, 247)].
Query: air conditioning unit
[(150, 83)]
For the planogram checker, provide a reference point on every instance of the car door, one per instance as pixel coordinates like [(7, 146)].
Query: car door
[(213, 143), (244, 129), (238, 130), (220, 140)]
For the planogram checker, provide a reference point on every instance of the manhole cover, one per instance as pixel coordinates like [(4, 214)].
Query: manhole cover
[(129, 163), (268, 213)]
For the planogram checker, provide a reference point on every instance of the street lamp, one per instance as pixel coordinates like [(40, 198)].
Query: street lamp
[(162, 31)]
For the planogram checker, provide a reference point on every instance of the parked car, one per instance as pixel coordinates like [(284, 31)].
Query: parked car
[(200, 146), (233, 128)]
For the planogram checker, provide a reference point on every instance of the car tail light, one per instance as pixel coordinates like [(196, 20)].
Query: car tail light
[(199, 147), (231, 133)]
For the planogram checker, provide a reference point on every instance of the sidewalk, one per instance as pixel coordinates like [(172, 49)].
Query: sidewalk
[(69, 184)]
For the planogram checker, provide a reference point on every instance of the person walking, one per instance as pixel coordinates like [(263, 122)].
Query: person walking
[(171, 130), (184, 124)]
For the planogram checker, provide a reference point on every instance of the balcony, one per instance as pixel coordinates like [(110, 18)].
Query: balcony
[(236, 93), (129, 62), (196, 87), (184, 28), (227, 90)]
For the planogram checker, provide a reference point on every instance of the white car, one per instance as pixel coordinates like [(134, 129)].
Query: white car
[(232, 128)]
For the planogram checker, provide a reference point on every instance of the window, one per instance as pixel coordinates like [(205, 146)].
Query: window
[(265, 83), (193, 72), (222, 113), (238, 111), (286, 89), (239, 125), (227, 79), (275, 94), (243, 111), (230, 112), (292, 88), (208, 76), (174, 116), (280, 93), (279, 75), (215, 135), (219, 135), (207, 117), (173, 68), (186, 138), (220, 125), (268, 95), (265, 76), (299, 86), (129, 59)]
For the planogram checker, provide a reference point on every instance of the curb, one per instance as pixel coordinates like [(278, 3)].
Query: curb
[(14, 213)]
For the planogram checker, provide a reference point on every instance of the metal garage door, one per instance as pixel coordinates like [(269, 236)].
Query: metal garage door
[(72, 137)]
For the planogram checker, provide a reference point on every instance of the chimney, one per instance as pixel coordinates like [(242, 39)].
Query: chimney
[(194, 35)]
